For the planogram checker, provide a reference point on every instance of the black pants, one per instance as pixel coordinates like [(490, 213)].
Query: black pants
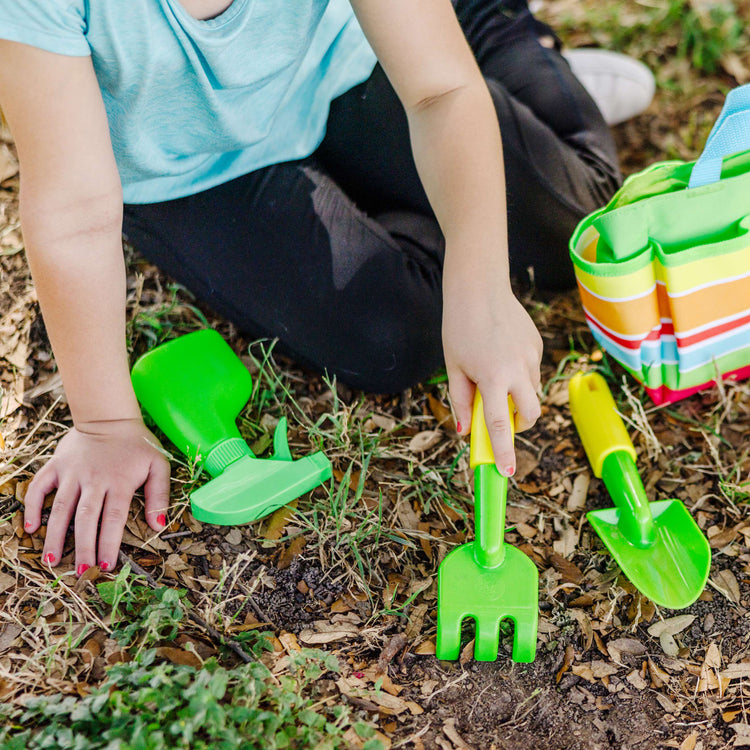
[(339, 256)]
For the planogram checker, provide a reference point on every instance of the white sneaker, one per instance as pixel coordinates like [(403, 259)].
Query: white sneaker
[(621, 86)]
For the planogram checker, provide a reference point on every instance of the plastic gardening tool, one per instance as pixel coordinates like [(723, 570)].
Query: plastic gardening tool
[(657, 545), (194, 387), (487, 580)]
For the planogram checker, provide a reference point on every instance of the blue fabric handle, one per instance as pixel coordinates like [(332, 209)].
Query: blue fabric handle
[(729, 135)]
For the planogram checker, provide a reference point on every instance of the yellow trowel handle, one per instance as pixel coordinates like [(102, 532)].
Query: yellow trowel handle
[(480, 447), (595, 416)]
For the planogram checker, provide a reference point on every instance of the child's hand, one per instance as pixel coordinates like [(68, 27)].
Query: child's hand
[(490, 341), (98, 470)]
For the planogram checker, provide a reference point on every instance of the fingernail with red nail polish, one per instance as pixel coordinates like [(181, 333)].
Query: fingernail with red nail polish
[(458, 427), (104, 565), (49, 558), (82, 568), (509, 471), (161, 519), (28, 525)]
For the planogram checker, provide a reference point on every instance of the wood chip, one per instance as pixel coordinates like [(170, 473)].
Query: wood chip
[(577, 498), (449, 729), (737, 671), (234, 537), (635, 679)]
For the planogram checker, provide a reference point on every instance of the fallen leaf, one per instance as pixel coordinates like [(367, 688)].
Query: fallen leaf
[(8, 636), (311, 638), (179, 656), (668, 644), (423, 441), (671, 626), (726, 584), (277, 522)]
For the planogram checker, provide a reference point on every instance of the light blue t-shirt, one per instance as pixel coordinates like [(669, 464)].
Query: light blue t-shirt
[(192, 104)]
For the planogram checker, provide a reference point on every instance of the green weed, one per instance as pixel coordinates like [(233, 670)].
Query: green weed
[(146, 704)]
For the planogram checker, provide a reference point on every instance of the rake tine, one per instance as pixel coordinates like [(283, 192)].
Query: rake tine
[(487, 639), (448, 636), (524, 638)]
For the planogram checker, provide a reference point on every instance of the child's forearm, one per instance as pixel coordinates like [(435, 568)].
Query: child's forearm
[(458, 152), (75, 254)]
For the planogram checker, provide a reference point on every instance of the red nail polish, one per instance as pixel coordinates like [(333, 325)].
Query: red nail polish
[(28, 525), (49, 558), (458, 427), (82, 568), (104, 565), (161, 519), (509, 471)]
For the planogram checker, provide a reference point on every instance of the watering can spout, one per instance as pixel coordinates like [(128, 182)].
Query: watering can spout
[(251, 488)]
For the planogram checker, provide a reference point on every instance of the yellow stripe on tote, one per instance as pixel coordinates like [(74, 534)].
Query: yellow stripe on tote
[(713, 270), (631, 285)]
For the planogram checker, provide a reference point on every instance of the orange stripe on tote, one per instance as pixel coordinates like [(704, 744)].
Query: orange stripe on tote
[(708, 305), (635, 317)]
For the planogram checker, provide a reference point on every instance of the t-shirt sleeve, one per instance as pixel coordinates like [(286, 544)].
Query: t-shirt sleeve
[(52, 25)]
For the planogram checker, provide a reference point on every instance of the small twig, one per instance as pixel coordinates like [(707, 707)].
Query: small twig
[(412, 737), (259, 611), (463, 676), (215, 634), (175, 534)]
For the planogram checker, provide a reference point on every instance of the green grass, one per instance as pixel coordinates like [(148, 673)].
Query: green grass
[(701, 36), (147, 703)]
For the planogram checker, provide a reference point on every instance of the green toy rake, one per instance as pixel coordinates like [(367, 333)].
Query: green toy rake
[(487, 580), (194, 387)]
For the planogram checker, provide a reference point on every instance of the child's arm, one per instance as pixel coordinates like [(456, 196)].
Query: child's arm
[(488, 337), (71, 213)]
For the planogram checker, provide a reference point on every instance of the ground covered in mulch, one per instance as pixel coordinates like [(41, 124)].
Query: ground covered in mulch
[(352, 569)]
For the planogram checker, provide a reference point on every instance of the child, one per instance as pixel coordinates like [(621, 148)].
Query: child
[(351, 203)]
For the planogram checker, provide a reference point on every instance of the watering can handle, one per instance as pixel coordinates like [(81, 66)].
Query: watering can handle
[(596, 418), (729, 135)]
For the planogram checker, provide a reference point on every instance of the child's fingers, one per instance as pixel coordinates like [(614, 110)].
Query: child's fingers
[(86, 526), (114, 516), (498, 418), (156, 490), (40, 486), (462, 397), (59, 521), (527, 405)]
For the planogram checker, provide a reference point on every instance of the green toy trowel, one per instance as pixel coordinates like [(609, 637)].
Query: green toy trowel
[(194, 387), (658, 545)]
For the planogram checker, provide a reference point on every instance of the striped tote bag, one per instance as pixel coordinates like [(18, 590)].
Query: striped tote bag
[(664, 269)]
